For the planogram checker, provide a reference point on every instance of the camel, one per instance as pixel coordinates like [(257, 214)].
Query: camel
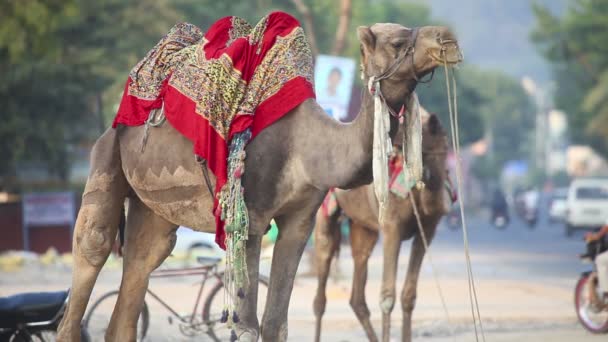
[(361, 206), (290, 167)]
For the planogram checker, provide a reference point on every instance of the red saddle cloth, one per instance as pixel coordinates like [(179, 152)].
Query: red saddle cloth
[(233, 78)]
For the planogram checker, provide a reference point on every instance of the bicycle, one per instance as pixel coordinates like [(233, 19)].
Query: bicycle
[(206, 322)]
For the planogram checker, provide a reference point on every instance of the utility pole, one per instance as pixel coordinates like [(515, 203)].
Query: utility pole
[(542, 144)]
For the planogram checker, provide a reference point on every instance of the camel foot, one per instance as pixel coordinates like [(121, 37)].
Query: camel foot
[(248, 336)]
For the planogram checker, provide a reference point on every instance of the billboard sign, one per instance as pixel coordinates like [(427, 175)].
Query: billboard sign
[(48, 209), (334, 77)]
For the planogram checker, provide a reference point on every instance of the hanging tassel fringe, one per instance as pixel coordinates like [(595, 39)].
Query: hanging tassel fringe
[(236, 223), (382, 146), (412, 143)]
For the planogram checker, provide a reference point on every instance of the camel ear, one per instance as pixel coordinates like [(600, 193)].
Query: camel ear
[(434, 124), (368, 43), (367, 39)]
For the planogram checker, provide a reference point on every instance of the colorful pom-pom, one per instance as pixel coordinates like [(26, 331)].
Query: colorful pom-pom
[(233, 336), (224, 317)]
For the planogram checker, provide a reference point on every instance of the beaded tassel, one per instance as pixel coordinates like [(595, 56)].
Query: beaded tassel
[(236, 223), (233, 336)]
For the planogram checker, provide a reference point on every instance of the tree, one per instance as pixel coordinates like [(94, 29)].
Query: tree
[(37, 88), (63, 63), (57, 58), (491, 105), (575, 44)]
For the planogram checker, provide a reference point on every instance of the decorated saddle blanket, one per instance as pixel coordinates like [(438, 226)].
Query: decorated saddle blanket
[(232, 81)]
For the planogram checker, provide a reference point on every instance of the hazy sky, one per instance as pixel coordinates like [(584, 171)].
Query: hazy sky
[(495, 33)]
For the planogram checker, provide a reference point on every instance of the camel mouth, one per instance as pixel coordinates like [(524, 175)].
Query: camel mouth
[(448, 53)]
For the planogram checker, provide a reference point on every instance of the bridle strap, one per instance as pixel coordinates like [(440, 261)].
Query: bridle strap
[(203, 162), (400, 59), (390, 71)]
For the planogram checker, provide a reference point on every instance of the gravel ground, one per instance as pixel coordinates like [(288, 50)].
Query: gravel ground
[(524, 282)]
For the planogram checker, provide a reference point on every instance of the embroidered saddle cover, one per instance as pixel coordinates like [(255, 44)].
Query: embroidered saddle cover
[(213, 86)]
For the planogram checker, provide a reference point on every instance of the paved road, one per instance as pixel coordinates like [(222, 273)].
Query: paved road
[(524, 281)]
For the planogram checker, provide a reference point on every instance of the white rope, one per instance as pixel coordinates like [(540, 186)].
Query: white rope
[(430, 256), (453, 111), (413, 168)]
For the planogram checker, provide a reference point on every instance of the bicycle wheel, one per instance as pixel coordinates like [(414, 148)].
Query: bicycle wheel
[(593, 319), (38, 336), (97, 319), (212, 310), (44, 335)]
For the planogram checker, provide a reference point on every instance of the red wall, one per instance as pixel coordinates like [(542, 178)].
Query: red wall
[(41, 238), (11, 236)]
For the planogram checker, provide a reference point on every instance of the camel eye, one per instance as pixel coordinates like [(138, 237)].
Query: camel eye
[(398, 45)]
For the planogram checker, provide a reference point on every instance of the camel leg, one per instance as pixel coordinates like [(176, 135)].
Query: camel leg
[(362, 242), (327, 243), (95, 229), (248, 327), (149, 240), (294, 231), (391, 244), (408, 295)]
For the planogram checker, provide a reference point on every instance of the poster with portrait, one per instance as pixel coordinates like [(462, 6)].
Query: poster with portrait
[(334, 78)]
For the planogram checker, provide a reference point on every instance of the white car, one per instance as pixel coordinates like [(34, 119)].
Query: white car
[(559, 205), (191, 244), (587, 204)]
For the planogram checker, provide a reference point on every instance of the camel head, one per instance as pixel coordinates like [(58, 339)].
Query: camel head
[(434, 157), (406, 54)]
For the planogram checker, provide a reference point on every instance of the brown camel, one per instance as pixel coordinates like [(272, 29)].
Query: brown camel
[(290, 167), (400, 224)]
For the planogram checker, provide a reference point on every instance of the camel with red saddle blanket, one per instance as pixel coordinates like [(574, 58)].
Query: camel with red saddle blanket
[(282, 171)]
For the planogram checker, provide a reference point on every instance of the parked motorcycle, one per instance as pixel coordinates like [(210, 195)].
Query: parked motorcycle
[(531, 217), (499, 209), (591, 307), (531, 201), (500, 219), (30, 317)]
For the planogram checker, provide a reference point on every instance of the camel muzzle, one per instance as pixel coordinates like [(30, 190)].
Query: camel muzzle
[(447, 51)]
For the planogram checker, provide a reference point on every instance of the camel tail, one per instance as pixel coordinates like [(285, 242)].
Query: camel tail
[(337, 220), (121, 229)]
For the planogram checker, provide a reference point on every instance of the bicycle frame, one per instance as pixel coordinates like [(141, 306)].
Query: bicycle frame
[(206, 272)]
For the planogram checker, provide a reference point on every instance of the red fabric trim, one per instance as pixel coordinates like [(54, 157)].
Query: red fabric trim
[(325, 204), (208, 144), (134, 111), (291, 95), (395, 166)]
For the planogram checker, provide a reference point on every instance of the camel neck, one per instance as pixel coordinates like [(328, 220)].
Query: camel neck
[(397, 93), (348, 161)]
